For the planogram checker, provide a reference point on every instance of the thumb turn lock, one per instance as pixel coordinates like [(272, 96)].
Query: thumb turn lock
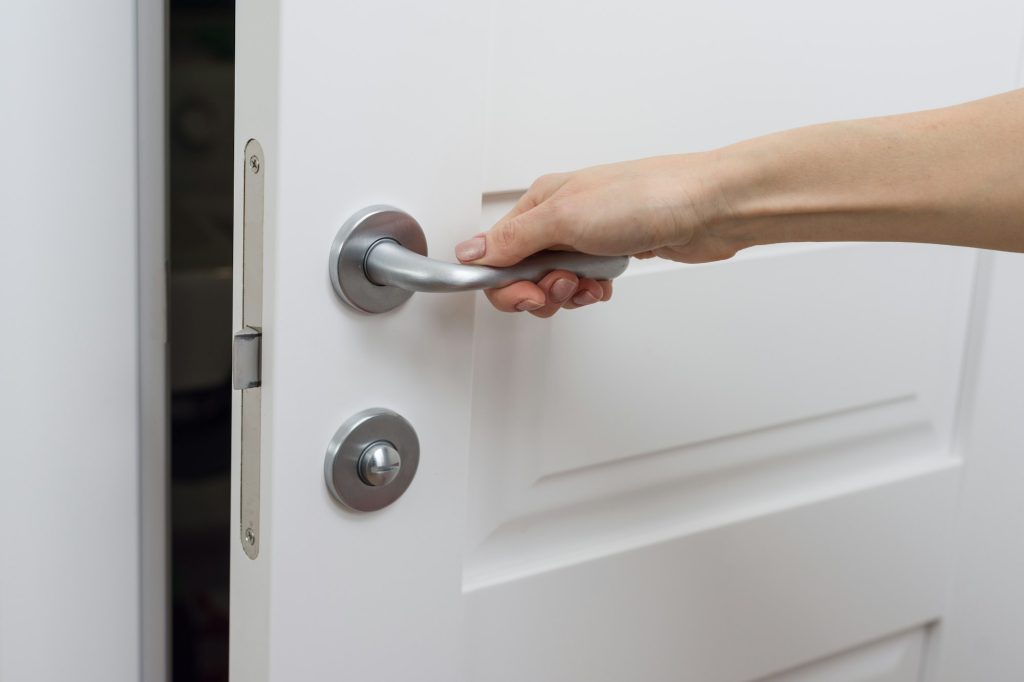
[(371, 460), (379, 464)]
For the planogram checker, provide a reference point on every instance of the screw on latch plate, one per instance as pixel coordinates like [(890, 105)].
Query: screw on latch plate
[(254, 163)]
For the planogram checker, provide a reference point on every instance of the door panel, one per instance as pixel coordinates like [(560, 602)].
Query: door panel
[(713, 401), (707, 399), (697, 354), (705, 411), (730, 601)]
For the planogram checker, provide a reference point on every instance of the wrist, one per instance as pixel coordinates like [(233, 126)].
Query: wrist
[(736, 181)]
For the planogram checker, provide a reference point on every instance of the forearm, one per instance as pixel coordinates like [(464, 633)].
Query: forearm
[(950, 176)]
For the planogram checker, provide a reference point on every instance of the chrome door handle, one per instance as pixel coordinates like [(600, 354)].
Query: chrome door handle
[(389, 263), (379, 258)]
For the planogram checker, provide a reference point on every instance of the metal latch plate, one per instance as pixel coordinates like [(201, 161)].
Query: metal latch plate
[(246, 352), (248, 346)]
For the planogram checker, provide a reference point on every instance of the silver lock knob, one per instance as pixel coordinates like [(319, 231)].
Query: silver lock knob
[(379, 464)]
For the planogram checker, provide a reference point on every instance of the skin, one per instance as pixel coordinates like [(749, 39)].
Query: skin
[(946, 176)]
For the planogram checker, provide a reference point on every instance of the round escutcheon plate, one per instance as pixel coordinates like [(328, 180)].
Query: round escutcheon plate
[(353, 242), (363, 431)]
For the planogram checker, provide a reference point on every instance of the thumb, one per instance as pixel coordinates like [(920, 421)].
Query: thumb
[(510, 240)]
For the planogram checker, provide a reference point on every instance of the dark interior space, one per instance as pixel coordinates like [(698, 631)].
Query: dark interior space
[(200, 119)]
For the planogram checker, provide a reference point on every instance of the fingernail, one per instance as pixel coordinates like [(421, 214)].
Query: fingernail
[(562, 290), (584, 298), (528, 305), (471, 249)]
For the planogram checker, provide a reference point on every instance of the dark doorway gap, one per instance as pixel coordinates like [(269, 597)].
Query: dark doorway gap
[(200, 122)]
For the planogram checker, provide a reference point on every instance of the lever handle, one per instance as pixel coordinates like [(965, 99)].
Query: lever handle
[(390, 264), (379, 258)]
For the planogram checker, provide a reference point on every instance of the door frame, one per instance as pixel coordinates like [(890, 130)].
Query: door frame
[(84, 575), (154, 385)]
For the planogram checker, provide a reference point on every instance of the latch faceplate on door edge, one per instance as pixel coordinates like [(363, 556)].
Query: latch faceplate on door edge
[(247, 346), (246, 355)]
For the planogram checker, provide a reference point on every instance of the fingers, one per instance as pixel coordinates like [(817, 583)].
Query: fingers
[(527, 228), (512, 238), (557, 290), (559, 287), (531, 226), (550, 293), (517, 298), (590, 291)]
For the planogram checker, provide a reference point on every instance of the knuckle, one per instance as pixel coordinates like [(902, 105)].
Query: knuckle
[(558, 216), (558, 209), (546, 180), (507, 234)]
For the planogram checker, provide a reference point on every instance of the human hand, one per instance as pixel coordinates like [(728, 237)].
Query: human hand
[(662, 206)]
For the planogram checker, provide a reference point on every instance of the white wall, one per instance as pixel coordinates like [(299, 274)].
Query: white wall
[(70, 606)]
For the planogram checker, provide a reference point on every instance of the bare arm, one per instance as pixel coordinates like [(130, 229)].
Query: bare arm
[(947, 176)]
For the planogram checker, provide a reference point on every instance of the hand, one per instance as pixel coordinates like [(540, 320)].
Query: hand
[(661, 206)]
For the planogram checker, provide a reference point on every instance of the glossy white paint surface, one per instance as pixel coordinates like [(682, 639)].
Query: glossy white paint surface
[(980, 636), (339, 134), (607, 80), (70, 594), (894, 659), (730, 472)]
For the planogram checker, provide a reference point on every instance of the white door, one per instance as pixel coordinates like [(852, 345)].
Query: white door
[(731, 472)]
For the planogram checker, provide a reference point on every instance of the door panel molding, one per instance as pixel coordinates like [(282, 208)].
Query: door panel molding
[(783, 588)]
